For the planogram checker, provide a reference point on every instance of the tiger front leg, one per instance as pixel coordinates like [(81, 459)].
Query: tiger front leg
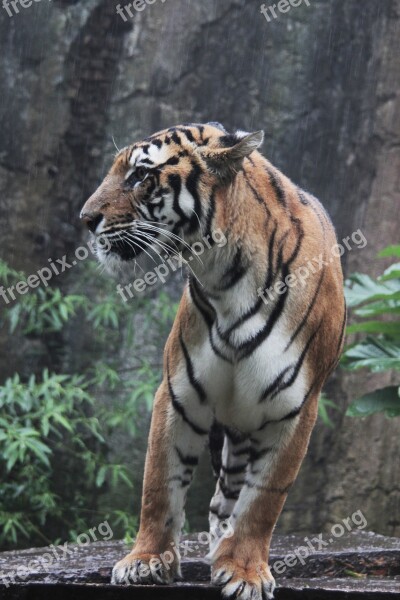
[(176, 441), (240, 562)]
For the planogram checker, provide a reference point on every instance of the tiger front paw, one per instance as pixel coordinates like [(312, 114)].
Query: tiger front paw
[(145, 569), (243, 582)]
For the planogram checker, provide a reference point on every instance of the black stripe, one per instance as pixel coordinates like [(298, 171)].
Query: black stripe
[(174, 160), (187, 460), (270, 272), (257, 454), (300, 235), (290, 415), (175, 138), (175, 182), (234, 273), (187, 133), (192, 187), (234, 436), (234, 470), (283, 385), (275, 384), (202, 305), (190, 372), (256, 195), (302, 197), (279, 260), (142, 213), (241, 452), (226, 492), (216, 443), (207, 312), (181, 411), (225, 335), (215, 512), (216, 350), (305, 318), (276, 184), (146, 161), (246, 348), (210, 216)]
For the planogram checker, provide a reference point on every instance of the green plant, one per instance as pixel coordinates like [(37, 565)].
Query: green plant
[(376, 306), (56, 468), (39, 422)]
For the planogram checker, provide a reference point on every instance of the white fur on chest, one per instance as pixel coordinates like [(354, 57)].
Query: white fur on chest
[(234, 390)]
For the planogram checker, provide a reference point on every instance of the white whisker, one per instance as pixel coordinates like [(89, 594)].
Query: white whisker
[(167, 233)]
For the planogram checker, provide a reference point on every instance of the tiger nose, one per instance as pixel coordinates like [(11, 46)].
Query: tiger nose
[(92, 219)]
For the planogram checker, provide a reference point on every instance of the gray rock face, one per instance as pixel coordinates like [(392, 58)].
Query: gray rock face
[(322, 81)]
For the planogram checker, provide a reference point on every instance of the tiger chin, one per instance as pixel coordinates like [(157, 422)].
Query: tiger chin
[(251, 346)]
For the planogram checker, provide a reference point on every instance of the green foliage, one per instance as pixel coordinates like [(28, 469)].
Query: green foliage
[(385, 399), (376, 304), (55, 459), (323, 405), (39, 421)]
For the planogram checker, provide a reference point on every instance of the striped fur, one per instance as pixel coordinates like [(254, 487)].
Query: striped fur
[(248, 371)]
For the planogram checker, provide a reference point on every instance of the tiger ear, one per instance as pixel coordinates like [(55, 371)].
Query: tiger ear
[(225, 157)]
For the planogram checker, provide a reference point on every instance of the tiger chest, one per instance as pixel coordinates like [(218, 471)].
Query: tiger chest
[(234, 387)]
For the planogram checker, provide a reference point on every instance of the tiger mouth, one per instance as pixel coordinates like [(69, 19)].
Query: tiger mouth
[(124, 249), (131, 242)]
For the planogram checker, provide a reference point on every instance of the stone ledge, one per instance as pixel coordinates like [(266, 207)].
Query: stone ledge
[(357, 565)]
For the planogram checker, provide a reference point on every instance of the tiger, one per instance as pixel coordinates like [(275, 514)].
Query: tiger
[(251, 346)]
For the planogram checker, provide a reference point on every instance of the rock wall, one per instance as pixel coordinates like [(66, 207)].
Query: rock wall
[(322, 81)]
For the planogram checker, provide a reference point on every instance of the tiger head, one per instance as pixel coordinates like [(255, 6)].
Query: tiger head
[(164, 191)]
